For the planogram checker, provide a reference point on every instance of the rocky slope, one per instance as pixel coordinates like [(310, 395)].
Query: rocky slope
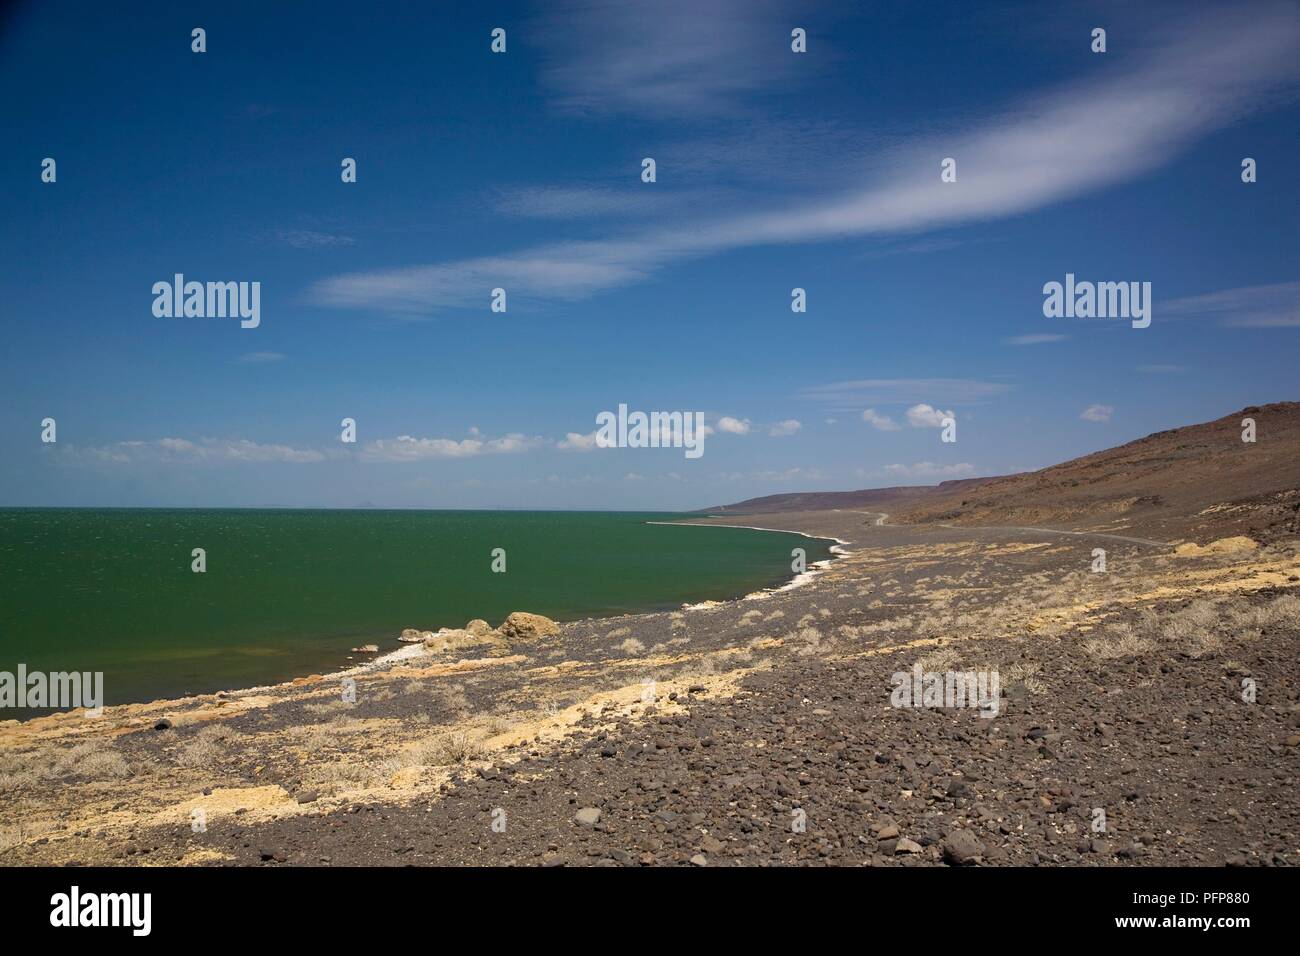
[(1196, 482)]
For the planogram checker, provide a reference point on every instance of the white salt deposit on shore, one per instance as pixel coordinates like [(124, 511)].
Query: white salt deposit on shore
[(799, 580)]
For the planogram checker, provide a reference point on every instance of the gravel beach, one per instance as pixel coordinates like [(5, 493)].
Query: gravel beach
[(1145, 715)]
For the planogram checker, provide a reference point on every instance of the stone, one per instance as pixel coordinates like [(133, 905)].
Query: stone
[(523, 626), (587, 817), (961, 847)]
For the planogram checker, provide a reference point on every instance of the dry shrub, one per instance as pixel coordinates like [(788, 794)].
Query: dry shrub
[(341, 775), (207, 747), (1282, 611), (446, 749), (316, 738), (941, 659), (1024, 673), (1117, 641), (808, 640), (91, 759), (451, 700), (95, 760)]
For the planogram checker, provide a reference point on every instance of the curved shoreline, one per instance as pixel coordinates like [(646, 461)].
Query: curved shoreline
[(384, 660), (837, 550)]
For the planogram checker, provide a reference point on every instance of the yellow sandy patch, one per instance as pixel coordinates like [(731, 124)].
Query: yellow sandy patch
[(204, 855), (223, 801), (1015, 547), (1222, 546)]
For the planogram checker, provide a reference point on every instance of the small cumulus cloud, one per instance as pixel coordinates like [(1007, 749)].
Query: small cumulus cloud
[(924, 416), (1097, 413), (574, 441), (409, 448), (787, 427), (734, 426), (882, 422)]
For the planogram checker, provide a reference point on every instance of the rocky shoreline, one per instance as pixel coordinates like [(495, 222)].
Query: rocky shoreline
[(756, 732)]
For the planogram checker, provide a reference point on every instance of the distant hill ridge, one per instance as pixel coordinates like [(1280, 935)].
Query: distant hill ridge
[(1196, 481), (876, 498)]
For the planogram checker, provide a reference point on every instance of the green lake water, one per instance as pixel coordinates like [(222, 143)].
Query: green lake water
[(288, 592)]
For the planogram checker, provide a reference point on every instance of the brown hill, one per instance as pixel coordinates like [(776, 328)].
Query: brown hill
[(873, 499), (1199, 482)]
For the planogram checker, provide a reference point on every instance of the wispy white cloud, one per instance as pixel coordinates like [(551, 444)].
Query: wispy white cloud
[(785, 428), (203, 451), (1097, 413), (1257, 306), (882, 422), (1161, 369), (851, 395), (586, 202), (1110, 127), (925, 416), (408, 448), (1037, 339), (260, 358), (569, 270), (564, 202), (927, 469), (311, 238), (784, 475), (665, 59)]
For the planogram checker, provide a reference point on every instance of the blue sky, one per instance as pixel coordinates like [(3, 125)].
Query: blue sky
[(775, 170)]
